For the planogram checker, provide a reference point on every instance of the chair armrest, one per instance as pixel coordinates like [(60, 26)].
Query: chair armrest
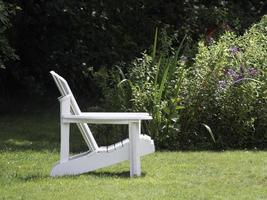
[(106, 117)]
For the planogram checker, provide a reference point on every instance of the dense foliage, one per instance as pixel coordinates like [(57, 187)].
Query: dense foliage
[(152, 84), (218, 102), (71, 36), (227, 90), (6, 52)]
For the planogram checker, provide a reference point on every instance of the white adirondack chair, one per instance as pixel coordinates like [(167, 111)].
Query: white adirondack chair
[(97, 157)]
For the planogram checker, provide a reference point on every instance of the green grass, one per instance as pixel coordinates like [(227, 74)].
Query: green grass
[(29, 146)]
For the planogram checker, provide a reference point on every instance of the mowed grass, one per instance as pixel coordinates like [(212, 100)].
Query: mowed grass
[(29, 146)]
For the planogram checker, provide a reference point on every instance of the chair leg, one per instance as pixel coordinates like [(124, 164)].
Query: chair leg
[(64, 129), (135, 162), (64, 140)]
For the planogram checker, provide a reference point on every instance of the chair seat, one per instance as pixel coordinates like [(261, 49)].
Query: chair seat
[(93, 117), (113, 146), (121, 144), (115, 115)]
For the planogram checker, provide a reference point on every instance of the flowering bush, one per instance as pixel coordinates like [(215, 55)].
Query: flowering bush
[(218, 102), (227, 90)]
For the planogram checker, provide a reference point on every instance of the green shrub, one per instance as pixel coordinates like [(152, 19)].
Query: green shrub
[(219, 102), (226, 89), (155, 85), (152, 84), (6, 52)]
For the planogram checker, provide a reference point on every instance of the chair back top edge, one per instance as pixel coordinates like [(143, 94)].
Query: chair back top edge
[(64, 90), (61, 83)]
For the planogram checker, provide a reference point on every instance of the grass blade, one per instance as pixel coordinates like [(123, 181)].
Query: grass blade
[(155, 45), (210, 131)]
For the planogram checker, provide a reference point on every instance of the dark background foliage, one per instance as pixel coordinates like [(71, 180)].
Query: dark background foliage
[(70, 36)]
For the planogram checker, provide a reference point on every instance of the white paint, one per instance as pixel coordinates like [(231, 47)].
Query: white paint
[(97, 157), (64, 129), (90, 161), (134, 137)]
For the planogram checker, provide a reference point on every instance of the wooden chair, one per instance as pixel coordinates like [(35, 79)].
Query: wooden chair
[(97, 157)]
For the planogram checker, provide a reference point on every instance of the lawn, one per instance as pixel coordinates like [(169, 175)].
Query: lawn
[(29, 147)]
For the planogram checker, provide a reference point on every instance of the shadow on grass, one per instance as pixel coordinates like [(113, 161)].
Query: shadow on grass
[(105, 174), (28, 132), (35, 132), (33, 177), (38, 132)]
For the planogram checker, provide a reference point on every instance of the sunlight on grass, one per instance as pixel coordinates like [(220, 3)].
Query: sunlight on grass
[(18, 142), (29, 150), (166, 175)]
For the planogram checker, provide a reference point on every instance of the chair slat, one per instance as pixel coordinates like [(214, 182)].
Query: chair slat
[(83, 127)]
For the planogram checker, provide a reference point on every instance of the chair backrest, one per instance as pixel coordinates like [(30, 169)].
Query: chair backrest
[(83, 127)]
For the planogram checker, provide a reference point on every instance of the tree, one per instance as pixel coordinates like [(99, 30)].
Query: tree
[(6, 51)]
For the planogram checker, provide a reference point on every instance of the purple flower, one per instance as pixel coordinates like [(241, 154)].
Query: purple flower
[(253, 72), (235, 75), (232, 73), (233, 50), (238, 78)]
